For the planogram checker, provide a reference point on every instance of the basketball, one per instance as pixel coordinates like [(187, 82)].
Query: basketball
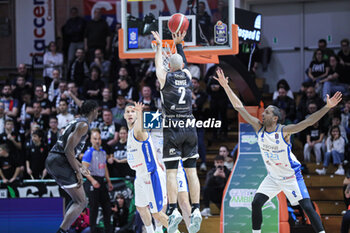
[(178, 23)]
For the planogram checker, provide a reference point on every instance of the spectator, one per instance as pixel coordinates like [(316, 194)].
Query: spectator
[(93, 86), (332, 82), (23, 72), (61, 94), (327, 52), (82, 224), (344, 57), (204, 27), (95, 160), (103, 65), (335, 150), (9, 165), (97, 35), (39, 96), (53, 132), (78, 69), (109, 130), (36, 155), (146, 97), (23, 115), (38, 117), (120, 215), (345, 117), (218, 104), (336, 121), (10, 136), (64, 117), (311, 96), (318, 68), (53, 89), (286, 103), (221, 14), (117, 163), (314, 140), (118, 110), (10, 104), (283, 83), (228, 161), (2, 117), (72, 96), (215, 185), (19, 87), (52, 60), (107, 101), (73, 33), (129, 92), (199, 98)]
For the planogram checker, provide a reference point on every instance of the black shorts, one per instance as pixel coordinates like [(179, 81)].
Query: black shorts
[(58, 167), (180, 143)]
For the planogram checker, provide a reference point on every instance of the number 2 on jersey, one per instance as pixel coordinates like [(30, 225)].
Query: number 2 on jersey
[(182, 90)]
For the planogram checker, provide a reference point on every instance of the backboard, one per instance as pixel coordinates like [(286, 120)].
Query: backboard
[(211, 32)]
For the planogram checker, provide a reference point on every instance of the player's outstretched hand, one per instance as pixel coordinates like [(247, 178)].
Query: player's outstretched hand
[(178, 37), (156, 37), (221, 77), (139, 106), (336, 98)]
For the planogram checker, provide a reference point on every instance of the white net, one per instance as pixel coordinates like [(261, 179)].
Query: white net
[(167, 51)]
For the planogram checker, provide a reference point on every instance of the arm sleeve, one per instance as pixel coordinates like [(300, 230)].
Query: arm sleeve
[(181, 52), (87, 156)]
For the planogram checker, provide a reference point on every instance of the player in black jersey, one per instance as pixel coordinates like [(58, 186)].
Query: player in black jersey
[(180, 138), (63, 166)]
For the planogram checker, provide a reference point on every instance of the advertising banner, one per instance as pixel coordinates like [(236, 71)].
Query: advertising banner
[(35, 28)]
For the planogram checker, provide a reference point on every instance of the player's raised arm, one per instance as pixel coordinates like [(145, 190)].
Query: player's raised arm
[(178, 38), (139, 133), (312, 119), (236, 102), (158, 60)]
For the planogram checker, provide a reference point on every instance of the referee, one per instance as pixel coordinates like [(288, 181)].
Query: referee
[(95, 160)]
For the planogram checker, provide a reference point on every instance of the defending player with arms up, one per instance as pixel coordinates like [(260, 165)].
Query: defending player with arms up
[(179, 142), (150, 187), (283, 168), (63, 166)]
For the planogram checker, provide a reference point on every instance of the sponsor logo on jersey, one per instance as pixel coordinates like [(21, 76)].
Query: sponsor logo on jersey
[(172, 151)]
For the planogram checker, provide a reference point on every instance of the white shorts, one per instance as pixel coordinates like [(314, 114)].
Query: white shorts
[(150, 190), (294, 188), (182, 185)]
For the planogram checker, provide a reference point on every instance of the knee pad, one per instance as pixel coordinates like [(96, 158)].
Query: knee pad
[(259, 200), (190, 163), (172, 164)]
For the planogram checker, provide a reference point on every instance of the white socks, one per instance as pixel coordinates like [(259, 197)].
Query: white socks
[(159, 228), (149, 229), (256, 231)]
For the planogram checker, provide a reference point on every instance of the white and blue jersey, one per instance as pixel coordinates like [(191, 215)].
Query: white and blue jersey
[(150, 186), (284, 173)]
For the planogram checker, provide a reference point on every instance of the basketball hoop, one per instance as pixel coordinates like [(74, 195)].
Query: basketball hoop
[(168, 49)]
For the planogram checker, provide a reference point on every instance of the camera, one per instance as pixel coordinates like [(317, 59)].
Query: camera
[(221, 167)]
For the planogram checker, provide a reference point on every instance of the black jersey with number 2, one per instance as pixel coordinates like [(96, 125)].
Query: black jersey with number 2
[(177, 95)]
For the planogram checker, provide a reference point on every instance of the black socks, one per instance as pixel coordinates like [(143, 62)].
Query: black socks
[(171, 208)]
